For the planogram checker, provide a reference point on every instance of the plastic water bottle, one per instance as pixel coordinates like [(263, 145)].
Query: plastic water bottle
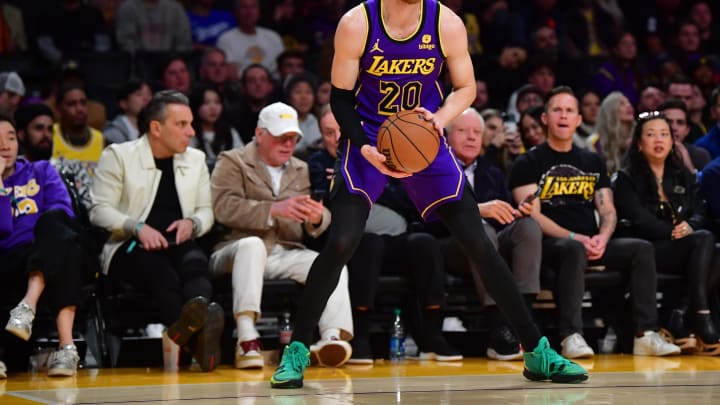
[(286, 330), (397, 338)]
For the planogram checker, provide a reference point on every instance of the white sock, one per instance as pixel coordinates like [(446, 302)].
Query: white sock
[(330, 333), (246, 328), (30, 306)]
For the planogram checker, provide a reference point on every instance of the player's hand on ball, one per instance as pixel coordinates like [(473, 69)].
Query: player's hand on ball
[(377, 159), (429, 116)]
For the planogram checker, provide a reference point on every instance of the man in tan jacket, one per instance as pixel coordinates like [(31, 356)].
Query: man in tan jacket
[(262, 194)]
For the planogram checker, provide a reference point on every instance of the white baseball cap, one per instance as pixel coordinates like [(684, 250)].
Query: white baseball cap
[(279, 118), (11, 82)]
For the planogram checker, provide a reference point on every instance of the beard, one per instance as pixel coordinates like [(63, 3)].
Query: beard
[(34, 152)]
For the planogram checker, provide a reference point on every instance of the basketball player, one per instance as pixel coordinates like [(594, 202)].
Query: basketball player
[(396, 67)]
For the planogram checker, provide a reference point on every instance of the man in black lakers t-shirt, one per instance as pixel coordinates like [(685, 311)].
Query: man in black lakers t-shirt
[(571, 184)]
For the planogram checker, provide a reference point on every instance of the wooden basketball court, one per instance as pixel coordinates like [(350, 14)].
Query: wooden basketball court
[(616, 379)]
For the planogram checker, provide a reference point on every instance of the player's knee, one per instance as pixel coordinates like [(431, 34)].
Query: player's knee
[(485, 244), (343, 245)]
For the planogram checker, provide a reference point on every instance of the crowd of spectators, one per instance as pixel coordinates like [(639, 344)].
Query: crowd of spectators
[(220, 76)]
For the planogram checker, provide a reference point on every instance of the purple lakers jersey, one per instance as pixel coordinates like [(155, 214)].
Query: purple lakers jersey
[(399, 74)]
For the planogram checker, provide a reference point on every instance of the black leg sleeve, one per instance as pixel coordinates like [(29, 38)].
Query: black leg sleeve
[(464, 222), (349, 213)]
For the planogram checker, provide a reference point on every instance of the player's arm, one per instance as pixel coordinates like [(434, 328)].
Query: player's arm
[(453, 37), (343, 76), (344, 73)]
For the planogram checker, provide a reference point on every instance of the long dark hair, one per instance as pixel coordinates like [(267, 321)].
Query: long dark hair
[(535, 113), (636, 164), (223, 135)]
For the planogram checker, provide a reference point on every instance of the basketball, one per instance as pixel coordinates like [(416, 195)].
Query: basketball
[(408, 141)]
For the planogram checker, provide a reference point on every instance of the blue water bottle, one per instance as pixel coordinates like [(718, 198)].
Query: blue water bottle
[(397, 338)]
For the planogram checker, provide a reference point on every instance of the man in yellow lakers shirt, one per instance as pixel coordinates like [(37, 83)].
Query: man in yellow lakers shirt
[(76, 146)]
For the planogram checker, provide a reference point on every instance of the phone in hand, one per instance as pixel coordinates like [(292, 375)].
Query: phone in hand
[(531, 197), (171, 243)]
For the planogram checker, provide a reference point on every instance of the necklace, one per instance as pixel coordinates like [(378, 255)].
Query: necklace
[(658, 177)]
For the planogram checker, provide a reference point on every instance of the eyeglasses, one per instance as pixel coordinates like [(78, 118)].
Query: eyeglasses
[(284, 138), (650, 114)]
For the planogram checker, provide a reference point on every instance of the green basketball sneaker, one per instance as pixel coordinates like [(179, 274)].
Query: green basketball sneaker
[(544, 363), (289, 373)]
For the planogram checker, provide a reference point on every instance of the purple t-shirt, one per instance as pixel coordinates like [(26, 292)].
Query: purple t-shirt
[(33, 189)]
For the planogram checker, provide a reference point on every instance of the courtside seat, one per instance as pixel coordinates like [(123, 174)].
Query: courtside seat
[(280, 296), (122, 308), (670, 286), (605, 303)]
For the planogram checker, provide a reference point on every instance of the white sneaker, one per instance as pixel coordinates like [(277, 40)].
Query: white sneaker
[(248, 354), (3, 371), (63, 362), (575, 347), (330, 353), (154, 330), (453, 324), (21, 320), (652, 344)]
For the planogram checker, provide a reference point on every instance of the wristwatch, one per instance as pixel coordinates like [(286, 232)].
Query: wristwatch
[(195, 226)]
